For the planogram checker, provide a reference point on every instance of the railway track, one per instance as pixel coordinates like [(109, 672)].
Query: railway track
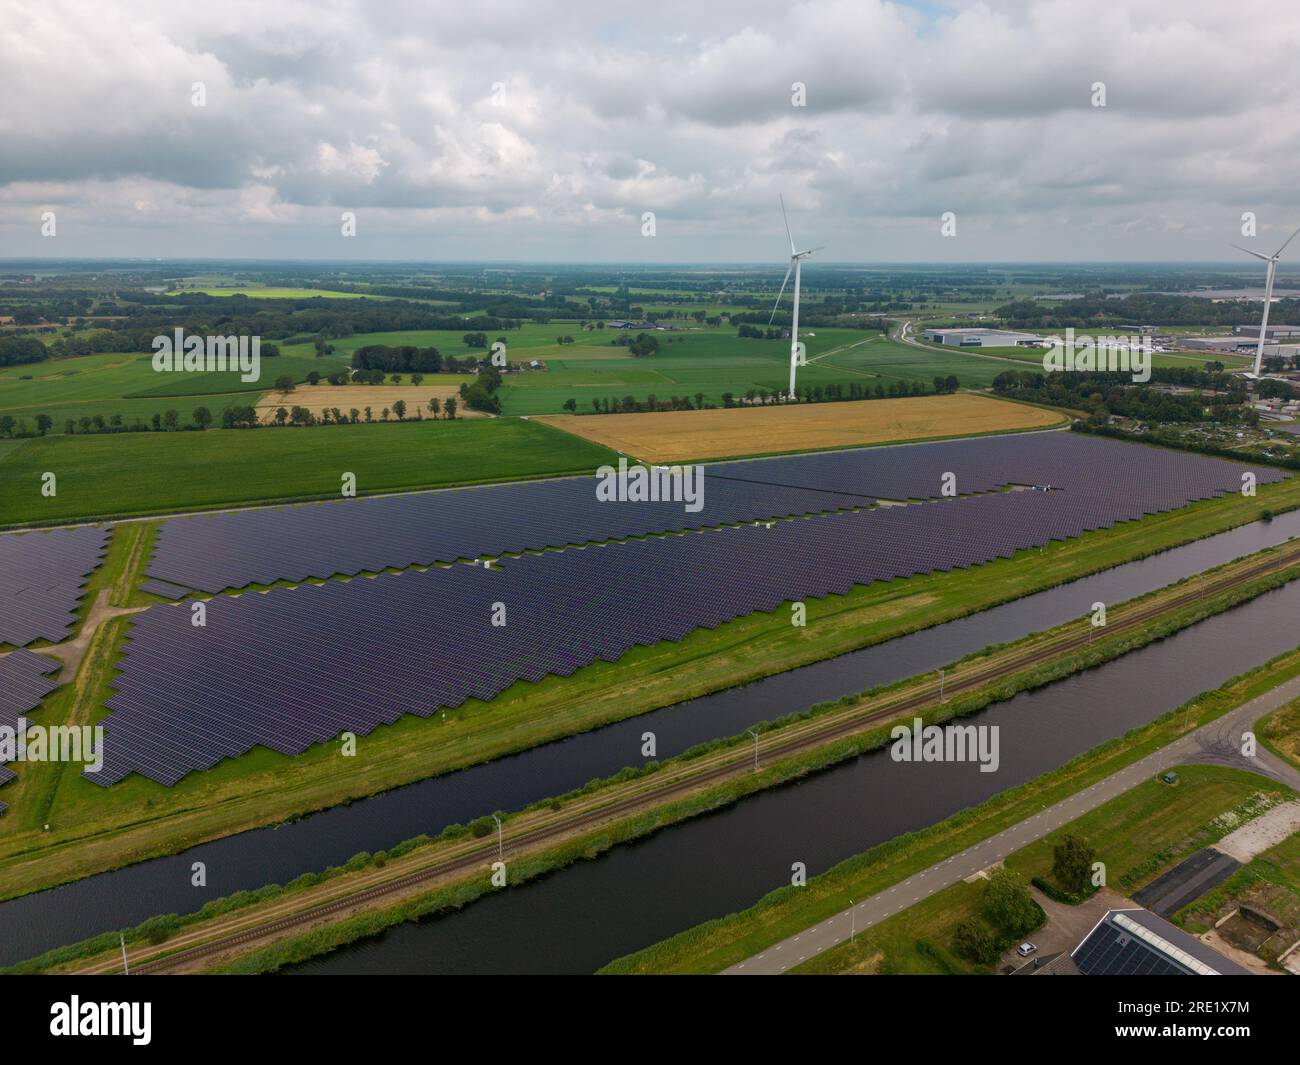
[(666, 786)]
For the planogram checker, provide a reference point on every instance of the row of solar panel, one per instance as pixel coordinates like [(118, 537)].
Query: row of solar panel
[(213, 552), (232, 550), (296, 667), (24, 682), (42, 581)]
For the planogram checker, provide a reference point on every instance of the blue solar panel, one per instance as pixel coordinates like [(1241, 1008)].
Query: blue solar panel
[(296, 667), (233, 549), (24, 682), (42, 581)]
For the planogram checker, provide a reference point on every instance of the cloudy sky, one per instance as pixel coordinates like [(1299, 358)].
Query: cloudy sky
[(544, 130)]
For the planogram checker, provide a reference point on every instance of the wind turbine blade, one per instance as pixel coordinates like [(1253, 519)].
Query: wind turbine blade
[(787, 225), (781, 293), (1288, 241), (820, 247), (1254, 253)]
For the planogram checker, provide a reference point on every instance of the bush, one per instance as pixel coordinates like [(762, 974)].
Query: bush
[(974, 941)]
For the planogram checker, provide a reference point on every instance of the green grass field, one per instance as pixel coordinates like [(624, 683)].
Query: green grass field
[(713, 362), (144, 473), (126, 384), (689, 363), (1153, 827)]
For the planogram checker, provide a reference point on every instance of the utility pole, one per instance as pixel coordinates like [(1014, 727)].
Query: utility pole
[(755, 735), (501, 847), (126, 969), (853, 921), (941, 695)]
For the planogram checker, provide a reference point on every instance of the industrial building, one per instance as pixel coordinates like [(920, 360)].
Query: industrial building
[(1239, 345), (1273, 332), (981, 337)]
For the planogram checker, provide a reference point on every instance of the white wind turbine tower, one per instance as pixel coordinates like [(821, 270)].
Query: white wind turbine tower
[(1268, 294), (796, 261)]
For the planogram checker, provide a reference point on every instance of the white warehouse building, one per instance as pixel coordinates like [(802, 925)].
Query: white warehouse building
[(981, 338)]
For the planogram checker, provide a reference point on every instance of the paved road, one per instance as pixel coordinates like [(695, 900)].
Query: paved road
[(1217, 743)]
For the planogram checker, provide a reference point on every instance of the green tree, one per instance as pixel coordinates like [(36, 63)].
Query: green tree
[(449, 405), (284, 383), (1008, 906), (399, 408), (202, 417), (1072, 860)]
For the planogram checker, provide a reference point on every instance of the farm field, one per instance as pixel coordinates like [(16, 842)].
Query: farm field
[(693, 362), (709, 363), (276, 293), (373, 398), (147, 473), (679, 436), (126, 384)]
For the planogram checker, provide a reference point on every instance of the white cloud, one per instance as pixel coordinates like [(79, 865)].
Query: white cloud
[(681, 108)]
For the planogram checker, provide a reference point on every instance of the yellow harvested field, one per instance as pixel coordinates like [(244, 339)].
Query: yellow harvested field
[(679, 436), (317, 397)]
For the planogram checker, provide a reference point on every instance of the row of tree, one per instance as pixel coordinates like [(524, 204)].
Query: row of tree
[(1107, 394), (833, 393)]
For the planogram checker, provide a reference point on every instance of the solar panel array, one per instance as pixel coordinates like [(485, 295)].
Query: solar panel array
[(295, 667), (42, 581), (1069, 461), (214, 552), (24, 682)]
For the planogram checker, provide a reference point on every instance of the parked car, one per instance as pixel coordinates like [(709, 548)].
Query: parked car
[(1025, 949)]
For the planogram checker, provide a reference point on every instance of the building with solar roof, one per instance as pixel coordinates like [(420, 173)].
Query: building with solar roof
[(1138, 943)]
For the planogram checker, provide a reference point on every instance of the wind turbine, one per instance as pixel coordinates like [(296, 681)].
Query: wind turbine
[(796, 261), (1268, 293)]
